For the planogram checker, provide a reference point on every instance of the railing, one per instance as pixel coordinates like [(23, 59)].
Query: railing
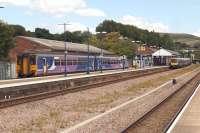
[(7, 70)]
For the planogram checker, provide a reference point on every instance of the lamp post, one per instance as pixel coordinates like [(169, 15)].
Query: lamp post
[(140, 55), (65, 45), (123, 57), (88, 49), (140, 51), (188, 52), (101, 55)]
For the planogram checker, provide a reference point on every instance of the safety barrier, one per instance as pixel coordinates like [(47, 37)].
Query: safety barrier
[(7, 70)]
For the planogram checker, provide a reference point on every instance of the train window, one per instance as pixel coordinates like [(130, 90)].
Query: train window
[(69, 62), (32, 60), (82, 62), (57, 62), (62, 62), (173, 60), (44, 61), (104, 62), (74, 62), (108, 62)]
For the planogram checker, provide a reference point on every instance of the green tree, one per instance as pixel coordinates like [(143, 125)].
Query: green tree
[(6, 40), (113, 43), (197, 55), (18, 30), (137, 34), (43, 33)]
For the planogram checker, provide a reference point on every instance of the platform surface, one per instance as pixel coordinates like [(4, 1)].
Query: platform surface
[(36, 80), (188, 120)]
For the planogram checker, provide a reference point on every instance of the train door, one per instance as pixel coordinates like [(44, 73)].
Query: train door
[(19, 66), (25, 66), (45, 66), (95, 63)]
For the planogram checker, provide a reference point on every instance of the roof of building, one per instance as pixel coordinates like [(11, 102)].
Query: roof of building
[(59, 45), (165, 52), (145, 50)]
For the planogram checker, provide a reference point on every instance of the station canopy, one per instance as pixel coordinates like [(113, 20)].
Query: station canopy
[(165, 53)]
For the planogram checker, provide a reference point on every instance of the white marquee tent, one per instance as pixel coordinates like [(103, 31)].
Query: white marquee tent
[(162, 56), (165, 53)]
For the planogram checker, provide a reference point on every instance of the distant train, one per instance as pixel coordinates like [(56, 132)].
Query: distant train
[(179, 62), (31, 65)]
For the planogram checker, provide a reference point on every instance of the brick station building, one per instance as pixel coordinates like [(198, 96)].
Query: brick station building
[(143, 56), (26, 44), (21, 45)]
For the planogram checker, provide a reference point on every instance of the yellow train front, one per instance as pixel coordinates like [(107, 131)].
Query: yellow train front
[(26, 65), (179, 62)]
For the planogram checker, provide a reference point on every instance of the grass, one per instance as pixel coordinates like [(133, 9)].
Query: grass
[(40, 123), (188, 39), (87, 105)]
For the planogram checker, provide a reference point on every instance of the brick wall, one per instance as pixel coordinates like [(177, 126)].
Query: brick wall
[(22, 45)]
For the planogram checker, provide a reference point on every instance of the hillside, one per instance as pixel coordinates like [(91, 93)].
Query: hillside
[(188, 39)]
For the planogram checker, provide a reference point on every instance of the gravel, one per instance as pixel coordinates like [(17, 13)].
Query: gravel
[(156, 121), (55, 114)]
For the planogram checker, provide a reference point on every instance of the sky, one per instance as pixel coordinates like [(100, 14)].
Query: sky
[(177, 16)]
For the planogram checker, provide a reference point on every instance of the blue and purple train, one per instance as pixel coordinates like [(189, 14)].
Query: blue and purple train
[(30, 65)]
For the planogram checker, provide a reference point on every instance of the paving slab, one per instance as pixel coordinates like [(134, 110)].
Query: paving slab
[(189, 120)]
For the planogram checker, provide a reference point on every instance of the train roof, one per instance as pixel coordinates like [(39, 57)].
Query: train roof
[(59, 45), (181, 58), (38, 52)]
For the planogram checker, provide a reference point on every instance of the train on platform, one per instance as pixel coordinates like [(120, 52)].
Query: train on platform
[(179, 62), (35, 65)]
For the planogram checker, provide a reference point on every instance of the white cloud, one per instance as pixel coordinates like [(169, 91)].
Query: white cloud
[(58, 7), (144, 24), (90, 12), (197, 33), (28, 13), (16, 2), (76, 27)]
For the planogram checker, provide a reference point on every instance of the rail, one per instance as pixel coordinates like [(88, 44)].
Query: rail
[(82, 84)]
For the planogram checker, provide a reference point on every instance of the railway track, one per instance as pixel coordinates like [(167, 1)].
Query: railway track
[(160, 118), (45, 95)]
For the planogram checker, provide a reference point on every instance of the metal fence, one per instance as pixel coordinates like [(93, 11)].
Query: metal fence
[(7, 70)]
